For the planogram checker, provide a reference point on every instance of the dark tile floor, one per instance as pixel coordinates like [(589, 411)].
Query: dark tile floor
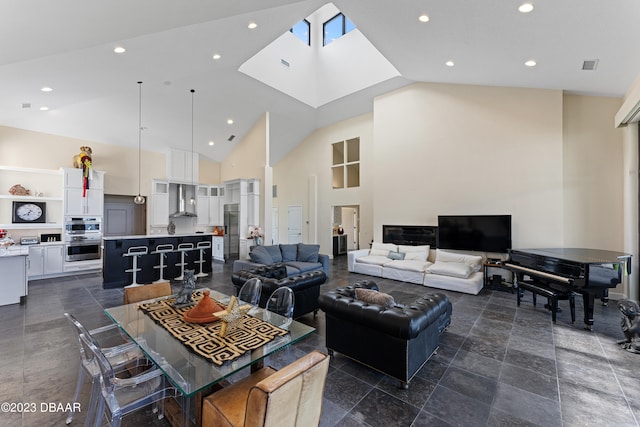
[(497, 365)]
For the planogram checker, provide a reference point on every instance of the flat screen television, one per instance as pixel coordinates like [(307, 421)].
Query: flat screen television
[(485, 233)]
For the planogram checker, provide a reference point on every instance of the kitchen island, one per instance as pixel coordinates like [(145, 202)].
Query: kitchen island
[(115, 261), (13, 265)]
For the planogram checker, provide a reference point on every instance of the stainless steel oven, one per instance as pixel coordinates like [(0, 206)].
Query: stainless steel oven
[(83, 239), (82, 225)]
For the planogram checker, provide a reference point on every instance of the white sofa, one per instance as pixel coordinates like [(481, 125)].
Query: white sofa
[(420, 265)]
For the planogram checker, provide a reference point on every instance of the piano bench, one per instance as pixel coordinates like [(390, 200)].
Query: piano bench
[(552, 295)]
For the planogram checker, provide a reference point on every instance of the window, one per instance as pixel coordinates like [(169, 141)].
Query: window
[(345, 167), (302, 30), (336, 27)]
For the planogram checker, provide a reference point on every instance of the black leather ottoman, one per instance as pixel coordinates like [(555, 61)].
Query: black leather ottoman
[(396, 341), (305, 286)]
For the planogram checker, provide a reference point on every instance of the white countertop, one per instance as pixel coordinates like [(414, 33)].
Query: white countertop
[(155, 236)]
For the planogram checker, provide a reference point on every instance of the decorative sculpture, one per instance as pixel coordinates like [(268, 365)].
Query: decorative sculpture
[(232, 316), (83, 161), (184, 297), (630, 323), (19, 190)]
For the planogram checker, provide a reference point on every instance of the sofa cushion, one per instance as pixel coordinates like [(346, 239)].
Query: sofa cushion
[(475, 261), (453, 269), (308, 253), (382, 249), (303, 267), (396, 255), (418, 253), (408, 265), (374, 297), (274, 253), (374, 259), (289, 252), (260, 255)]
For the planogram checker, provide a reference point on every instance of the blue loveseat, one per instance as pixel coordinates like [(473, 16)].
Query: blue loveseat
[(298, 258)]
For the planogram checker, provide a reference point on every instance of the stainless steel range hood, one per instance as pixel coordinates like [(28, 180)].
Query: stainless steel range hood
[(182, 205)]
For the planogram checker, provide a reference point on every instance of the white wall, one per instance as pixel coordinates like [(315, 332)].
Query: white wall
[(457, 149)]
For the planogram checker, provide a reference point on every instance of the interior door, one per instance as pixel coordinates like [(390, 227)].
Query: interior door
[(122, 217), (294, 224)]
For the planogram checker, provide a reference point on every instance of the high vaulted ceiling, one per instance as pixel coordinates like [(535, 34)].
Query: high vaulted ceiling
[(68, 46)]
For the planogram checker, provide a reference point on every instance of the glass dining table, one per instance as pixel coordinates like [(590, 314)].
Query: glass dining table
[(193, 375)]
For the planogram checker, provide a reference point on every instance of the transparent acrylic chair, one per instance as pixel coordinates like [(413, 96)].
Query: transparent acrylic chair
[(120, 357), (250, 291), (121, 396), (281, 301)]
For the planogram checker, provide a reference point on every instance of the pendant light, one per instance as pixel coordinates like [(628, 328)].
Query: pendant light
[(192, 200), (139, 199)]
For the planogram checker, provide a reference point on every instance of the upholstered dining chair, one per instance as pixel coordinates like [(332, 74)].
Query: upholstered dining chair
[(290, 397), (145, 292), (122, 396), (121, 357), (250, 291)]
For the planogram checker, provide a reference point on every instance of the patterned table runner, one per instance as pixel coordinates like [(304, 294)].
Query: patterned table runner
[(203, 339)]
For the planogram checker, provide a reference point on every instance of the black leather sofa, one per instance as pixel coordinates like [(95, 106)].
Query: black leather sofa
[(396, 341), (305, 286)]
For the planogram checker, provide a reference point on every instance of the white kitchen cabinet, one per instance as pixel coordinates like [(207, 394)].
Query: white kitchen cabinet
[(202, 205), (253, 202), (45, 260), (159, 203), (216, 205), (182, 166), (75, 203), (13, 285), (218, 248)]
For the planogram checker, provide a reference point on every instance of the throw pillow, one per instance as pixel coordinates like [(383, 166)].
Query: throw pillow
[(396, 255), (260, 255), (308, 253), (274, 252), (374, 297), (289, 252)]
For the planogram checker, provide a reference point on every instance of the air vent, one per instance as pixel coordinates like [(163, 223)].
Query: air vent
[(26, 105), (590, 64), (274, 191), (285, 63), (231, 138)]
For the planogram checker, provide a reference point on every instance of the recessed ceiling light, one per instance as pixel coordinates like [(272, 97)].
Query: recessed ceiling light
[(230, 121), (423, 18), (44, 108), (530, 63), (46, 89), (525, 7), (450, 63), (216, 56), (119, 49), (252, 25), (211, 143)]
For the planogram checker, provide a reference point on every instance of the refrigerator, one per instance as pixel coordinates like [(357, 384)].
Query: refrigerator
[(231, 231)]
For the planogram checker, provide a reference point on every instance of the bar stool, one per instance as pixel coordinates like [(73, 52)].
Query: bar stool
[(202, 246), (135, 252), (183, 248), (162, 250)]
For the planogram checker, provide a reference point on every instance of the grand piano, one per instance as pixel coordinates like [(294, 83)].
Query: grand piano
[(590, 272)]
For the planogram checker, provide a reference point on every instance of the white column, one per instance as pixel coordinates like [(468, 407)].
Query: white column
[(631, 200)]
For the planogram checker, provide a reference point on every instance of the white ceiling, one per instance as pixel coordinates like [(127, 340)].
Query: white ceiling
[(68, 45)]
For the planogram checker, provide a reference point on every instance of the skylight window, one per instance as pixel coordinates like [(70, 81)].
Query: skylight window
[(302, 30), (335, 28)]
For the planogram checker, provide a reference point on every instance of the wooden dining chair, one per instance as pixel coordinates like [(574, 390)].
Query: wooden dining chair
[(145, 292), (290, 397)]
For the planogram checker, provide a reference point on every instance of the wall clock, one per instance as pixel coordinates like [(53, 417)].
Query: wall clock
[(29, 212)]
